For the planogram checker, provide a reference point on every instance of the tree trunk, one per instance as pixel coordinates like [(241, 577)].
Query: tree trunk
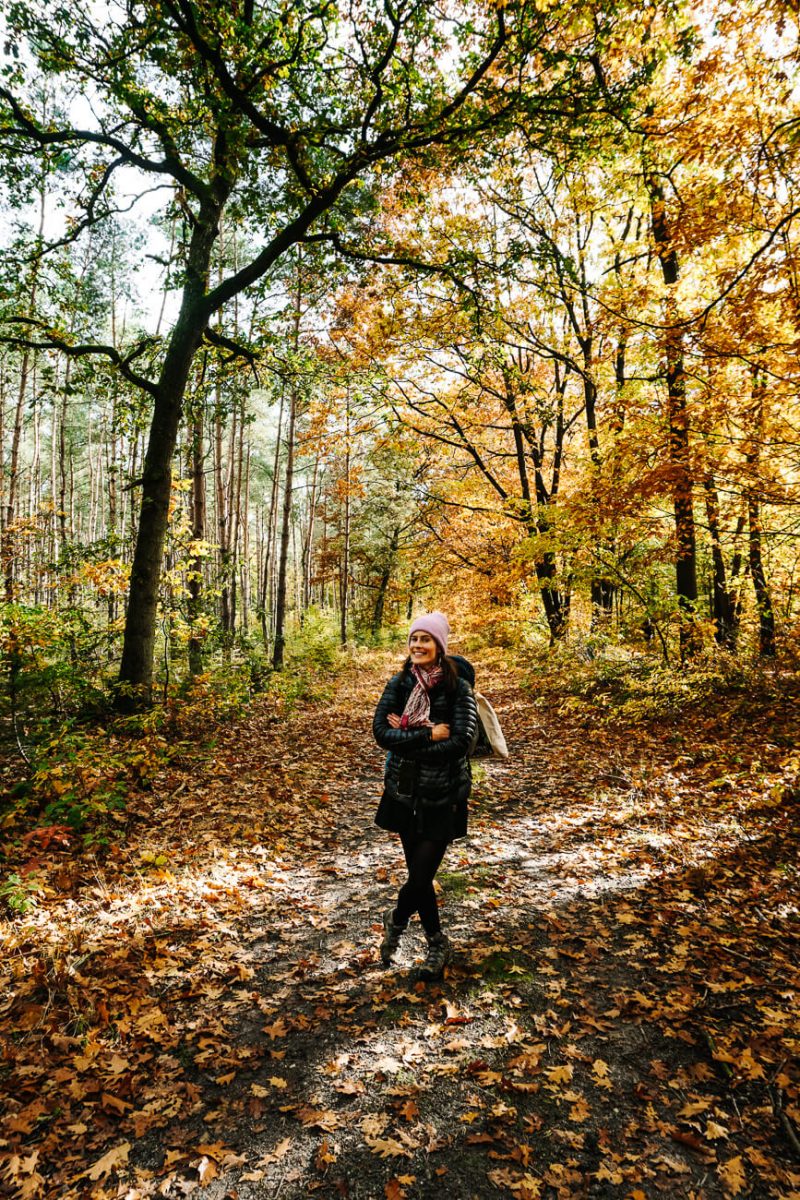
[(286, 521), (766, 612), (723, 600), (308, 540), (279, 646), (344, 570), (136, 670), (244, 522), (678, 424), (7, 539), (265, 607), (6, 533), (602, 588), (195, 579), (535, 515), (383, 583), (222, 495)]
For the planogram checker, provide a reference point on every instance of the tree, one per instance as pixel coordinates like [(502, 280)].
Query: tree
[(274, 112)]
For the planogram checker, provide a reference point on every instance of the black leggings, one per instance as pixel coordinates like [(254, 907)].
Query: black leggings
[(423, 858)]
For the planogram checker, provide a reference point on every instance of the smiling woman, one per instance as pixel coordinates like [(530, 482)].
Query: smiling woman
[(426, 719)]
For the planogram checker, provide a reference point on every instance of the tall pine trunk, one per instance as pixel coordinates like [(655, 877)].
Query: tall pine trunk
[(279, 646), (195, 576), (281, 592), (344, 566), (266, 609)]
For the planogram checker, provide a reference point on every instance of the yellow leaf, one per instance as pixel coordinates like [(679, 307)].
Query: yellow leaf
[(691, 1110), (207, 1170), (116, 1157), (325, 1155), (374, 1124), (560, 1074), (318, 1118), (276, 1029), (732, 1175), (612, 1174), (713, 1130), (280, 1151), (748, 1065), (600, 1074), (580, 1111)]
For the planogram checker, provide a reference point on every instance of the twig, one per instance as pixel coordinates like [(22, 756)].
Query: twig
[(786, 1124), (20, 747)]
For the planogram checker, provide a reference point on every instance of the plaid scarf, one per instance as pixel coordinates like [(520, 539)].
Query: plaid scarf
[(417, 711)]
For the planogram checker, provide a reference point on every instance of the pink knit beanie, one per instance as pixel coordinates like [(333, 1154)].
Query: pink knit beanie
[(434, 623)]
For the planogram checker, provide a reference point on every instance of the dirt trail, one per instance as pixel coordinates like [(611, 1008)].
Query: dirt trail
[(211, 1015)]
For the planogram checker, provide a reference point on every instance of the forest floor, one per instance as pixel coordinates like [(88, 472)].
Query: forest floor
[(204, 1010)]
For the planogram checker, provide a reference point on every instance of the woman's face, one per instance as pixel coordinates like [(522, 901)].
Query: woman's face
[(423, 649)]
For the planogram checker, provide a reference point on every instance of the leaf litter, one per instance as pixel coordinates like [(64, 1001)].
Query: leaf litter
[(204, 1009)]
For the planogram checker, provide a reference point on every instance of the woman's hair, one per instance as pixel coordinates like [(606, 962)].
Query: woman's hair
[(449, 672)]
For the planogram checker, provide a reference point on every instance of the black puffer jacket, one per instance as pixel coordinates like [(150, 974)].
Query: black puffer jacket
[(426, 783)]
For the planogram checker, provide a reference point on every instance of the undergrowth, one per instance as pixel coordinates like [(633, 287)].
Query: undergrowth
[(638, 688), (72, 763)]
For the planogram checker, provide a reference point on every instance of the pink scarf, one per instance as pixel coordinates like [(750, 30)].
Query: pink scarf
[(417, 711)]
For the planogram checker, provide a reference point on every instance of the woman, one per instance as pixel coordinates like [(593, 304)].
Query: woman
[(426, 719)]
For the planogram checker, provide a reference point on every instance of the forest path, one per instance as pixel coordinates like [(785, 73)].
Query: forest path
[(210, 1013)]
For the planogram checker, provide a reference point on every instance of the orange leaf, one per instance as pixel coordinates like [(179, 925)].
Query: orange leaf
[(732, 1175)]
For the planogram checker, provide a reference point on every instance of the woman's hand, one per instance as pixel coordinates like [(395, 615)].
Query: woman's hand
[(438, 732)]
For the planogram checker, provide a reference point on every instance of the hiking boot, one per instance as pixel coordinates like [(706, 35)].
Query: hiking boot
[(391, 937), (439, 954)]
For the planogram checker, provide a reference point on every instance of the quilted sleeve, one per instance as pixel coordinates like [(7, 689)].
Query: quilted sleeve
[(405, 742), (463, 723)]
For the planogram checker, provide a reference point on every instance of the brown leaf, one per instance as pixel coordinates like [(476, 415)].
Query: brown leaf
[(116, 1157), (732, 1175), (387, 1147)]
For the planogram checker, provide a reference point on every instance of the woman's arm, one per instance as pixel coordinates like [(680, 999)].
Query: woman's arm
[(400, 741), (463, 724)]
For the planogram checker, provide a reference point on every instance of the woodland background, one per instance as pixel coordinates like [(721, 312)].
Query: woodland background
[(315, 315)]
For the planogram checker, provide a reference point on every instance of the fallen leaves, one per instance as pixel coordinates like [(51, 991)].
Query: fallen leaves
[(112, 1160), (609, 1017), (732, 1175)]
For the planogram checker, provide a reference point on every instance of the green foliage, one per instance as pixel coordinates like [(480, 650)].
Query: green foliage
[(55, 662), (316, 643), (504, 966), (314, 659), (16, 894), (618, 684), (84, 775), (83, 761)]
